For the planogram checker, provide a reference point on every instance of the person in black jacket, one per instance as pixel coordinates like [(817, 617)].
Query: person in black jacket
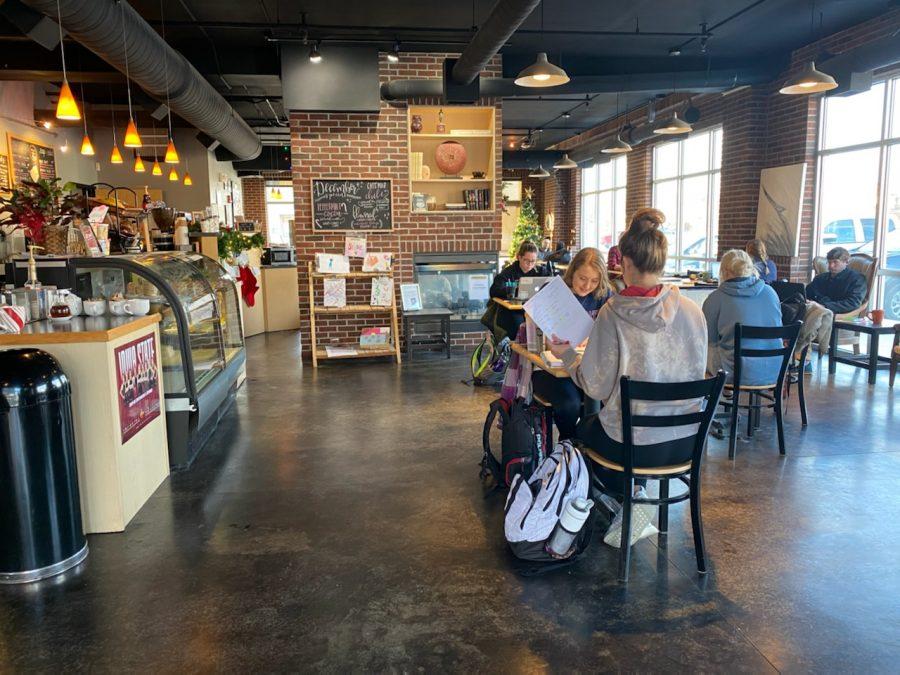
[(837, 291), (525, 265)]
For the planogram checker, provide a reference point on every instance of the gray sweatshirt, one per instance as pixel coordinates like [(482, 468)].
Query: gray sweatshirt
[(650, 339)]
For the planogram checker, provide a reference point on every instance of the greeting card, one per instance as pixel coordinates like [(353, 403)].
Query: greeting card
[(377, 262), (333, 263), (335, 293), (354, 246), (382, 292)]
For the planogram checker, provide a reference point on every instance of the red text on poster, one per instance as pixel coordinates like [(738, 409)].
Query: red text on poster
[(137, 378)]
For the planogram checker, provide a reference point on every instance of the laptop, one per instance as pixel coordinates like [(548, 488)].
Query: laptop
[(528, 286)]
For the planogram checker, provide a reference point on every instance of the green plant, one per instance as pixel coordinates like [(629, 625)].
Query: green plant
[(35, 204), (527, 226), (232, 242)]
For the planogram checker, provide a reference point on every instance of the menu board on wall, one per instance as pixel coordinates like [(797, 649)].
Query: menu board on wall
[(137, 378), (30, 160), (357, 205), (4, 174)]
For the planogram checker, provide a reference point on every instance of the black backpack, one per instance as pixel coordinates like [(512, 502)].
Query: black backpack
[(525, 441)]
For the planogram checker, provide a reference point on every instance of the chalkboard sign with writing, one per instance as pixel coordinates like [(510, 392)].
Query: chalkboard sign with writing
[(347, 204), (30, 160)]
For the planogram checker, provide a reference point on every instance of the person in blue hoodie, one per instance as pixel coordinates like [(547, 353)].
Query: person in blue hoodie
[(742, 297)]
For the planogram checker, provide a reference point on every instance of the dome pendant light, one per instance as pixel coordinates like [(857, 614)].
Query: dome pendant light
[(673, 126), (139, 164), (173, 175), (809, 81), (565, 163), (617, 147), (132, 138), (66, 106), (315, 56), (540, 173), (542, 73)]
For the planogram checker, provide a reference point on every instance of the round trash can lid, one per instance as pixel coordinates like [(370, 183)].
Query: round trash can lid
[(30, 377)]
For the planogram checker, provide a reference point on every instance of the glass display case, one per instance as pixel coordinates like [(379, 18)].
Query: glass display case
[(201, 339)]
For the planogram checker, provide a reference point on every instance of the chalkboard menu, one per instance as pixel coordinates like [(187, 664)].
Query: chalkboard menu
[(30, 160), (4, 174), (358, 205)]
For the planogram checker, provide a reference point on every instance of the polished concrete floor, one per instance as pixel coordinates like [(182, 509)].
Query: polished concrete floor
[(335, 522)]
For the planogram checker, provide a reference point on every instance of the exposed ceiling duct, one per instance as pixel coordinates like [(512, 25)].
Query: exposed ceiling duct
[(504, 19), (863, 59), (96, 24)]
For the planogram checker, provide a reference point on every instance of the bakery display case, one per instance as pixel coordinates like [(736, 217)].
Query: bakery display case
[(202, 343)]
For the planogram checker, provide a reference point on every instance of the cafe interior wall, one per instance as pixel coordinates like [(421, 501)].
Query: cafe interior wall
[(374, 145), (761, 128)]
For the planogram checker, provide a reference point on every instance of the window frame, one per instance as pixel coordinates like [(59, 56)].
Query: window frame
[(618, 220), (268, 186)]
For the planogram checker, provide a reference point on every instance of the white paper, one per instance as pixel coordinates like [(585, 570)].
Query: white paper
[(382, 292), (341, 351), (479, 287), (556, 312), (331, 262), (335, 293)]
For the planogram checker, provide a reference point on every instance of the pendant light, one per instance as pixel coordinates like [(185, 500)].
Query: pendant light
[(542, 73), (115, 157), (315, 56), (565, 163), (171, 156), (173, 175), (393, 56), (187, 174), (139, 164), (66, 106), (540, 173), (810, 80), (618, 146), (132, 138), (157, 169), (672, 126), (87, 148)]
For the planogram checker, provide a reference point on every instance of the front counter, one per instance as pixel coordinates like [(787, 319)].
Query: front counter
[(114, 366)]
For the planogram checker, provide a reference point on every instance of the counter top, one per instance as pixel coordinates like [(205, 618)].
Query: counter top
[(78, 329)]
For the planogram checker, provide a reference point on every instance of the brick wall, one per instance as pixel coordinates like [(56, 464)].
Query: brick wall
[(332, 145), (254, 198), (761, 128)]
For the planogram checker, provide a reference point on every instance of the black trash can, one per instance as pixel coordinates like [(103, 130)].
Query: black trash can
[(40, 513)]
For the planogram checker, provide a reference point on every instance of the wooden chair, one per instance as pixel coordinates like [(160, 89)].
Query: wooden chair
[(687, 471), (868, 267), (787, 335), (895, 353)]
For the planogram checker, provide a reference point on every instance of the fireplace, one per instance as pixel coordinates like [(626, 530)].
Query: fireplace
[(446, 280)]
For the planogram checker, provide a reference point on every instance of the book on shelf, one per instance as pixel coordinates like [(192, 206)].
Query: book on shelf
[(415, 165), (477, 200), (469, 132)]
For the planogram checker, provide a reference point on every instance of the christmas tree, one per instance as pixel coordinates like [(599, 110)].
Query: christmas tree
[(528, 226)]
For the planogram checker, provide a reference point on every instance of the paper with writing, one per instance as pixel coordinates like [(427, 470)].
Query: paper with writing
[(556, 312)]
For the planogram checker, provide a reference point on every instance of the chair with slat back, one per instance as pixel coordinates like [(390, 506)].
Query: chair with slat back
[(706, 393), (868, 267), (771, 392)]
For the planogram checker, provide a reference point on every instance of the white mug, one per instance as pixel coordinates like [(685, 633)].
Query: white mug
[(137, 306), (119, 307), (94, 307)]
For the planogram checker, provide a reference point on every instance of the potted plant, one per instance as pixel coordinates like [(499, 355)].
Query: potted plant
[(35, 205)]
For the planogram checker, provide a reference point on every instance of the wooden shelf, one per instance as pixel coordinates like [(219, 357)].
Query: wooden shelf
[(455, 137), (420, 213), (361, 353), (451, 181), (352, 309), (350, 275)]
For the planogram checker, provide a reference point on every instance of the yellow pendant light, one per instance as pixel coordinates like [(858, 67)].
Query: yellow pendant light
[(187, 178), (132, 138), (115, 157), (66, 107), (171, 154), (139, 164), (157, 169), (173, 175), (87, 147)]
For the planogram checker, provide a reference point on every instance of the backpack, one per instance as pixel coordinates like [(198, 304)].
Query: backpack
[(793, 309), (535, 503), (488, 362), (525, 440)]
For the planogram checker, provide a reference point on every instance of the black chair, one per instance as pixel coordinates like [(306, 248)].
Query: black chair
[(756, 393), (800, 391), (706, 391)]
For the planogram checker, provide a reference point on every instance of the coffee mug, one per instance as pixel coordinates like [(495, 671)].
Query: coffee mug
[(138, 306), (876, 315), (120, 307), (94, 307)]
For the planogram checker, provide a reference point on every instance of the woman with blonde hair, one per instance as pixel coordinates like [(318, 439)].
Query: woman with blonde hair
[(765, 268), (742, 297), (645, 218), (587, 277)]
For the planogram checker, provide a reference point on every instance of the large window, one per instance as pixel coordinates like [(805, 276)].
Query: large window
[(279, 213), (603, 215), (686, 177), (859, 182)]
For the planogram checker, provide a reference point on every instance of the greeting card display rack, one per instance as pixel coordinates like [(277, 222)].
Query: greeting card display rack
[(392, 349)]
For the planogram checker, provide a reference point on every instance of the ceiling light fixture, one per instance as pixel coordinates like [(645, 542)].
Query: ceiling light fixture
[(187, 178), (810, 80), (672, 126), (139, 164), (394, 55), (157, 169), (173, 175), (87, 148), (565, 163), (132, 138), (315, 56), (618, 146), (46, 124), (66, 107), (115, 156), (674, 51), (65, 146), (171, 156), (540, 173), (542, 73)]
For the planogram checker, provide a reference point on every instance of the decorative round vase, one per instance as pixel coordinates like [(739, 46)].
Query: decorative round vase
[(416, 125), (450, 157)]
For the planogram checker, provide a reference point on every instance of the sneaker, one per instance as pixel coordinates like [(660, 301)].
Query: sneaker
[(641, 523)]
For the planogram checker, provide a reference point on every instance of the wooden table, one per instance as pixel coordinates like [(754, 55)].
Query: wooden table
[(871, 361), (536, 359), (513, 305)]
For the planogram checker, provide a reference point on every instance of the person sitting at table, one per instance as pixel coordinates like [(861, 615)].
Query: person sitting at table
[(649, 332), (587, 278), (765, 268), (525, 265), (561, 255), (545, 249), (742, 297), (836, 291), (642, 218)]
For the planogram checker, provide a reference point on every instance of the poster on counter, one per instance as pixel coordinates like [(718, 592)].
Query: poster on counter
[(137, 378), (30, 160)]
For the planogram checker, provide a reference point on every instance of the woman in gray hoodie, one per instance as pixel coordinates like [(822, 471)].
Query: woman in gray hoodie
[(651, 333)]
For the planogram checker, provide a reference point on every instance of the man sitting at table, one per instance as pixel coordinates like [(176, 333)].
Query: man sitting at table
[(837, 291)]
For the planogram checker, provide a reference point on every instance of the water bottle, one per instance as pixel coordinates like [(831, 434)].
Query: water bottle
[(559, 545)]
